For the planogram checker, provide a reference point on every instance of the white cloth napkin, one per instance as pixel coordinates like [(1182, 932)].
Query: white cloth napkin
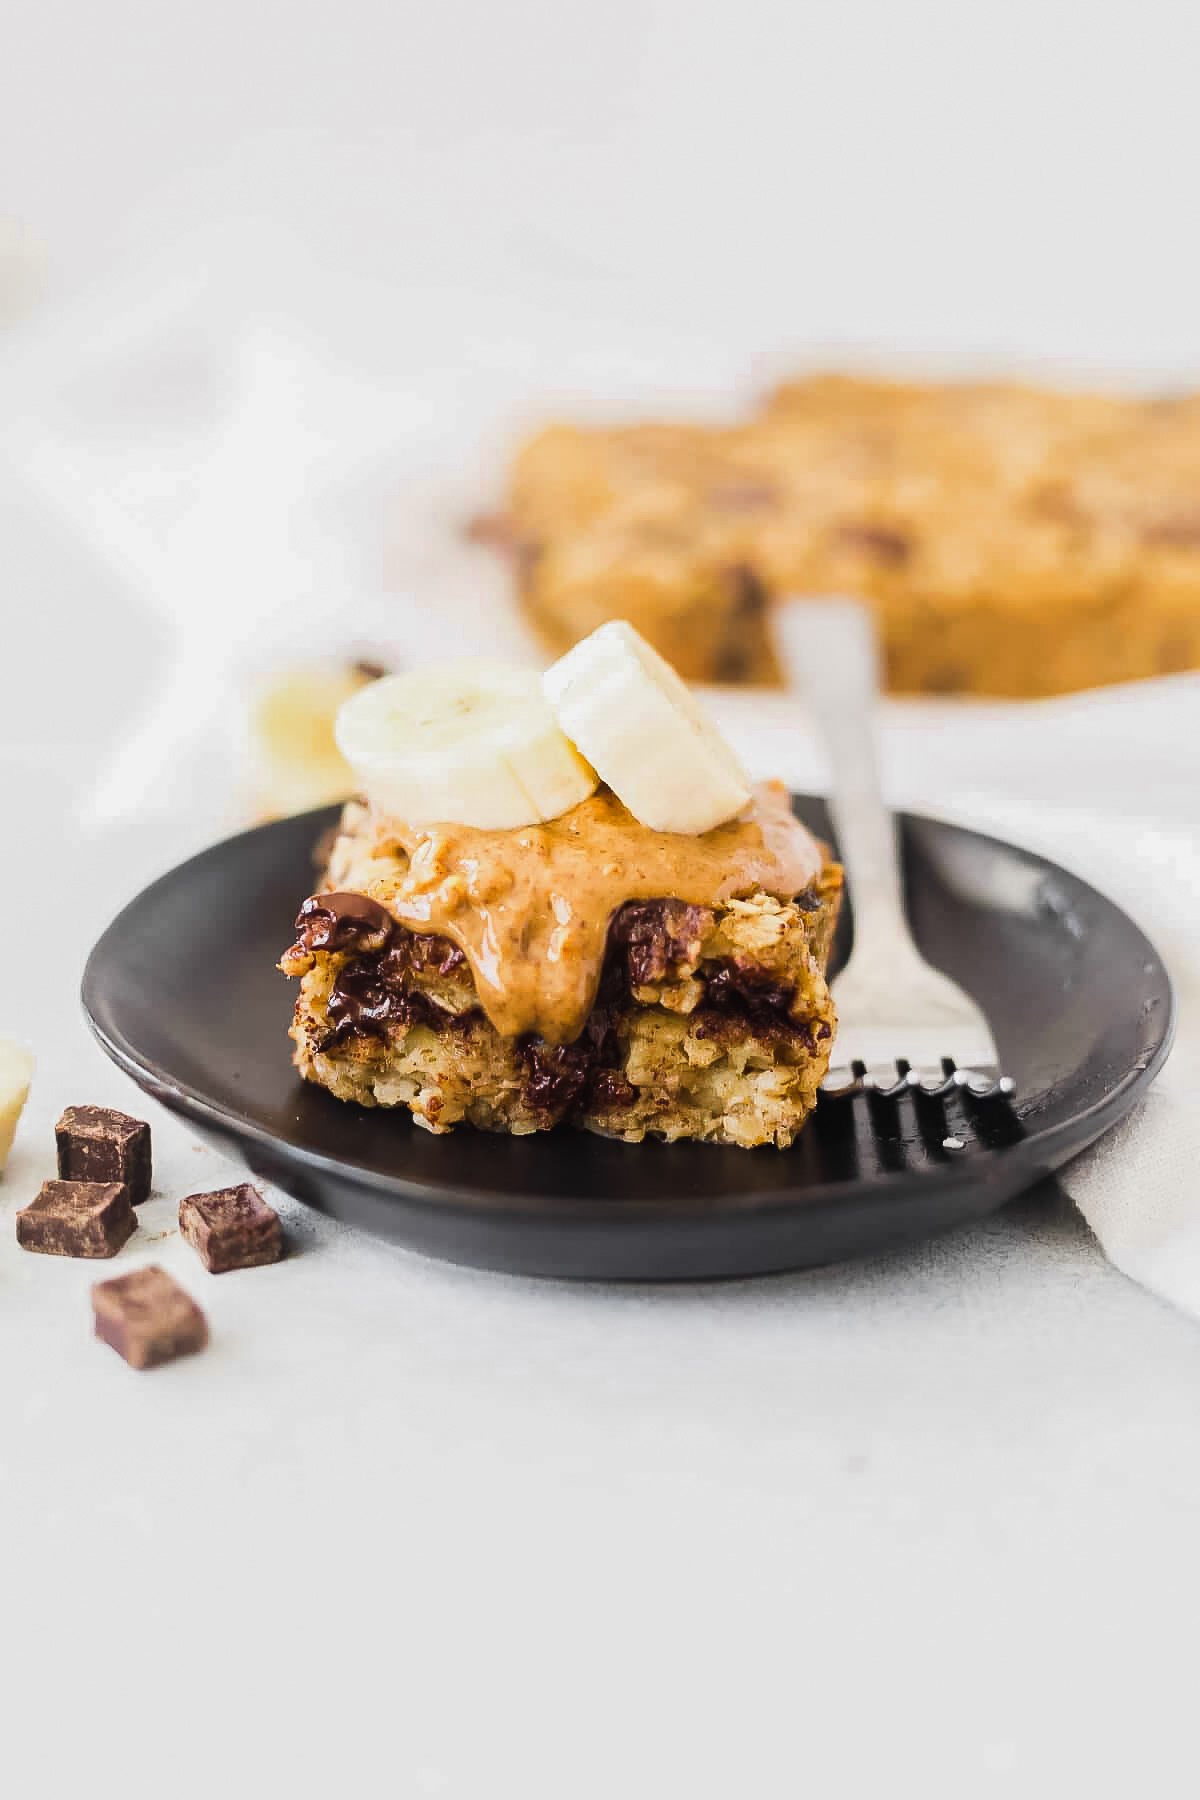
[(1108, 784), (250, 504)]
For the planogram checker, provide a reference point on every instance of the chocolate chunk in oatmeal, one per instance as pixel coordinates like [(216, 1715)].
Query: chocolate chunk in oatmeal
[(342, 922), (883, 543)]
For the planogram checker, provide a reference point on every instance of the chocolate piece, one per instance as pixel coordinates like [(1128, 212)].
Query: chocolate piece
[(233, 1228), (374, 992), (147, 1318), (727, 1026), (77, 1218), (610, 1090), (561, 1077), (97, 1144), (882, 542), (656, 939), (746, 591), (555, 1074), (737, 985), (343, 922), (369, 669), (1176, 531), (748, 601)]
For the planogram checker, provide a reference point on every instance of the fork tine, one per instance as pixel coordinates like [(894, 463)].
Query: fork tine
[(989, 1109), (933, 1084), (841, 1083), (954, 1111), (883, 1105), (887, 1083), (929, 1104), (978, 1084)]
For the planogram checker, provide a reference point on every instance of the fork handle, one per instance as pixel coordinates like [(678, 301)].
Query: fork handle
[(830, 653)]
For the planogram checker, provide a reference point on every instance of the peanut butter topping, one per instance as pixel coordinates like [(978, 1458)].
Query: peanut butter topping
[(530, 908)]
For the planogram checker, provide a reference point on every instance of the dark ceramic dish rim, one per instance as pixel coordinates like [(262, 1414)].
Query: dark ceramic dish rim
[(1037, 1153)]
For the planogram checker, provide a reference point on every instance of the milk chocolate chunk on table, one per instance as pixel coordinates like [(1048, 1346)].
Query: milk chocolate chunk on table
[(147, 1318), (77, 1218), (98, 1144), (233, 1228)]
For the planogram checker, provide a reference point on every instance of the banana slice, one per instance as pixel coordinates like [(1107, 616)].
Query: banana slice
[(645, 733), (475, 743), (16, 1072), (294, 760)]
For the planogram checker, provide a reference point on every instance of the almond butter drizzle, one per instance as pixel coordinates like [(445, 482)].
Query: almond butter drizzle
[(530, 908)]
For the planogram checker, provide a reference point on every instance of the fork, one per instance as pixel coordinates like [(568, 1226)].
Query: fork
[(903, 1026)]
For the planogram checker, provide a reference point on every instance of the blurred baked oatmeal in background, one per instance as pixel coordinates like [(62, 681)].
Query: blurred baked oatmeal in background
[(1014, 540)]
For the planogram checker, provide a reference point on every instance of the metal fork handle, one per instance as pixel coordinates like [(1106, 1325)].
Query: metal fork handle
[(829, 649)]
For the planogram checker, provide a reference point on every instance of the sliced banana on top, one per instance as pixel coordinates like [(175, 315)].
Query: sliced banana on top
[(475, 742), (645, 733), (16, 1072)]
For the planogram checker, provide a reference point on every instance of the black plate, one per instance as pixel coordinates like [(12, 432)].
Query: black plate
[(182, 992)]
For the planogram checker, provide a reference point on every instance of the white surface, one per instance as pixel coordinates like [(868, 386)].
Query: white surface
[(955, 181), (926, 1522), (921, 1526), (474, 1535)]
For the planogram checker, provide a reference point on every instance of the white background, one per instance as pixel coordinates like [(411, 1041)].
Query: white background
[(926, 1526), (941, 177)]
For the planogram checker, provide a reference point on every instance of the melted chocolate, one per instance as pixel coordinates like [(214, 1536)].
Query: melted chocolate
[(736, 986), (556, 1075), (343, 922), (728, 1026), (739, 990), (609, 1091), (650, 940), (373, 993), (561, 1078)]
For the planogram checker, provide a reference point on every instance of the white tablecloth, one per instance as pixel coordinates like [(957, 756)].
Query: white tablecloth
[(928, 1520)]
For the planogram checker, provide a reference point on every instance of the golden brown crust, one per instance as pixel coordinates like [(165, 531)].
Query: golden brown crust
[(718, 1029), (1014, 540)]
